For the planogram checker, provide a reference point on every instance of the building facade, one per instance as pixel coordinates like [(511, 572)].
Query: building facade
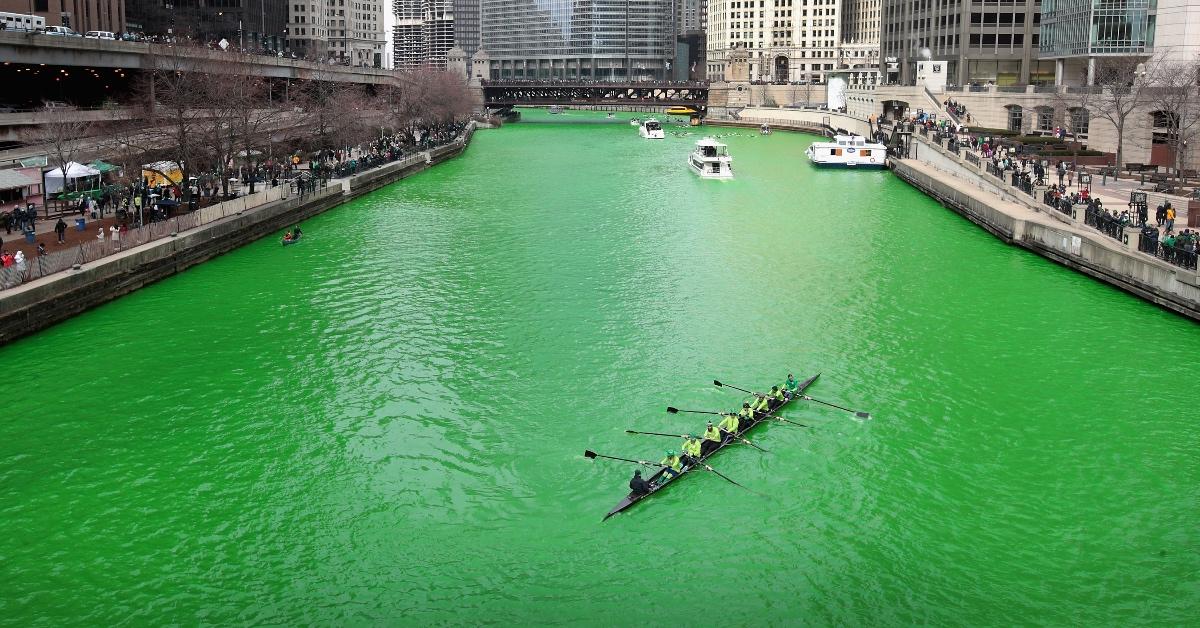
[(1075, 33), (982, 42), (586, 39), (425, 30), (792, 41), (344, 31), (858, 52), (80, 15), (250, 24)]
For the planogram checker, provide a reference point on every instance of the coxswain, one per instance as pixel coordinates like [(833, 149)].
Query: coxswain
[(745, 417), (791, 385), (691, 449), (712, 439), (729, 424), (638, 485), (672, 466)]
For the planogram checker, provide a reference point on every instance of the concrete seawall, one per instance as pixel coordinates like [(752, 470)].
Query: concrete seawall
[(1176, 289), (44, 302)]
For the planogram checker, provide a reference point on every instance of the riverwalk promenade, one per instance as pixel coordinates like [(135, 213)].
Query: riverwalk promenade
[(171, 246), (1020, 218)]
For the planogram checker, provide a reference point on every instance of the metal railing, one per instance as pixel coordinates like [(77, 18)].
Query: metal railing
[(1176, 255), (1105, 223), (972, 158)]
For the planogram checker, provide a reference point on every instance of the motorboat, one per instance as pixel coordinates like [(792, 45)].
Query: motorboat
[(556, 108), (764, 129), (635, 121), (710, 159), (852, 151), (651, 130)]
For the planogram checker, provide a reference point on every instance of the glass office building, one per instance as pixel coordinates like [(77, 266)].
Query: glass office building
[(570, 39), (1096, 27)]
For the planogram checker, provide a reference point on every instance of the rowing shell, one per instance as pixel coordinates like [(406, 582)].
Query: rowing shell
[(632, 499)]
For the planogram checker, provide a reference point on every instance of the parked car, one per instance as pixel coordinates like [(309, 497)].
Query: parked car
[(55, 105), (100, 35), (62, 31)]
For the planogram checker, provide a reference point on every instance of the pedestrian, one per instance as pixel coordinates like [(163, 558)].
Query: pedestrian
[(100, 234), (41, 249), (114, 233), (1070, 176), (1170, 217), (60, 228)]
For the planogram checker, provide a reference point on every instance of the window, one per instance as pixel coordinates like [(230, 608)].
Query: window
[(1080, 118), (1045, 119), (1015, 118)]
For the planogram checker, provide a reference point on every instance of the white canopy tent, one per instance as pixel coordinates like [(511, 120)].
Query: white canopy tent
[(55, 182)]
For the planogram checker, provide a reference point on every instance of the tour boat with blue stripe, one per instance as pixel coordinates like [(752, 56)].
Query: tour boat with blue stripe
[(851, 151)]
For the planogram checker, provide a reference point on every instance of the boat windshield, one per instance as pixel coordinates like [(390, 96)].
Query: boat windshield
[(653, 126)]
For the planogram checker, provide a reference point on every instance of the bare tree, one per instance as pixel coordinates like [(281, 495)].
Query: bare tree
[(1175, 98), (1121, 94), (61, 135)]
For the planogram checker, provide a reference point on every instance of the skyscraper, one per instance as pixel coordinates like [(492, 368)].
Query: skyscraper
[(426, 30), (590, 39), (981, 42), (343, 30)]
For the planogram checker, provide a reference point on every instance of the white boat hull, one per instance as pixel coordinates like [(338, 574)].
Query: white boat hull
[(652, 135), (705, 169)]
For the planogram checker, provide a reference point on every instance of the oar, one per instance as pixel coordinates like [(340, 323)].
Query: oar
[(677, 411), (857, 413), (769, 416), (727, 479), (593, 455), (719, 385), (734, 436)]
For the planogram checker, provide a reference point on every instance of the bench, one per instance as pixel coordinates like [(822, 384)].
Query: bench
[(1136, 167)]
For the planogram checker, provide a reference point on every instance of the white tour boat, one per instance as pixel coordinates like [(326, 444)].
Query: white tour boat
[(711, 160), (651, 130), (848, 150), (635, 121)]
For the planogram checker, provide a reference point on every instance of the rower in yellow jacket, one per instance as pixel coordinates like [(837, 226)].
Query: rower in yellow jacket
[(691, 448), (712, 439), (673, 466), (728, 424)]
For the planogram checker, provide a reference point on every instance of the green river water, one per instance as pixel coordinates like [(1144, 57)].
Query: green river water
[(384, 425)]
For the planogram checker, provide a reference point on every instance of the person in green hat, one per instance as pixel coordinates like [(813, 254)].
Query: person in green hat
[(673, 466)]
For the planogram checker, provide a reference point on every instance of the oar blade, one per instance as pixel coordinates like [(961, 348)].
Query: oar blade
[(589, 454), (717, 384), (863, 415), (672, 410)]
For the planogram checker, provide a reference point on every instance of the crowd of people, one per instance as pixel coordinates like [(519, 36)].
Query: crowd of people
[(730, 428), (957, 109)]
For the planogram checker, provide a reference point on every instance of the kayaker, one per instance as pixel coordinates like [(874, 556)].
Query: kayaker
[(728, 425), (691, 448), (712, 439), (672, 464), (638, 485)]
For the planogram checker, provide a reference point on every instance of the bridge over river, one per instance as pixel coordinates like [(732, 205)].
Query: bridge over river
[(512, 93)]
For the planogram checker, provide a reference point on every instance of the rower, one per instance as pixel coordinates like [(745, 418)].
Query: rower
[(296, 233), (728, 425), (712, 439), (672, 466), (638, 485), (745, 417), (691, 449), (762, 405)]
